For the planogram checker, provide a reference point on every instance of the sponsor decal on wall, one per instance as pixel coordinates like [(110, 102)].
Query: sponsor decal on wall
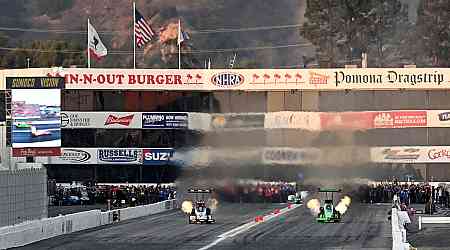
[(34, 82), (172, 120), (294, 120), (285, 155), (157, 156), (75, 156), (438, 118), (119, 156), (237, 121), (346, 121), (411, 154), (227, 79), (400, 119), (71, 119), (36, 152)]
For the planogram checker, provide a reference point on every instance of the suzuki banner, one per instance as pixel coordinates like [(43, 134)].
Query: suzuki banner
[(411, 154), (246, 79), (71, 119), (157, 156)]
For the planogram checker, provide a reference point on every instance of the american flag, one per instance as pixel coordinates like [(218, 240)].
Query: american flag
[(144, 33)]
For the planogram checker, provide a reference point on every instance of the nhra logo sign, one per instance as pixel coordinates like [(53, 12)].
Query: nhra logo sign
[(130, 156), (157, 156), (226, 80)]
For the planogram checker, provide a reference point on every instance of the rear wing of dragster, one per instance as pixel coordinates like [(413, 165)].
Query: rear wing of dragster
[(329, 190), (200, 191)]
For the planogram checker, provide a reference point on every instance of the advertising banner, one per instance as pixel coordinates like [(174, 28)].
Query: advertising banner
[(119, 156), (438, 118), (237, 121), (400, 119), (285, 155), (36, 107), (157, 156), (173, 120), (75, 156), (34, 82), (346, 121), (36, 152), (256, 79), (411, 154), (114, 120), (292, 120)]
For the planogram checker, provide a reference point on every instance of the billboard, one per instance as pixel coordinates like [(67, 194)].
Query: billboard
[(157, 156), (114, 120), (238, 121), (438, 118), (75, 156), (293, 120), (172, 120), (36, 122), (256, 79), (119, 156), (411, 154)]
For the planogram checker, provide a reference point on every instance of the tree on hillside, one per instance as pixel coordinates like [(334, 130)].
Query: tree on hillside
[(339, 28), (432, 36), (45, 54)]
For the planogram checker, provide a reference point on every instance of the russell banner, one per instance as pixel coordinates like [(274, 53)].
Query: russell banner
[(119, 156), (171, 120)]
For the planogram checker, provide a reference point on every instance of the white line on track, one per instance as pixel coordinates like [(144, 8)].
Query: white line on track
[(235, 231)]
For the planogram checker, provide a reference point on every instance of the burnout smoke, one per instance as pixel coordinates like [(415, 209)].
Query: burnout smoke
[(186, 207), (343, 204), (314, 206)]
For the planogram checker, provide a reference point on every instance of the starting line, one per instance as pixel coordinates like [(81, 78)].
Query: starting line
[(235, 231)]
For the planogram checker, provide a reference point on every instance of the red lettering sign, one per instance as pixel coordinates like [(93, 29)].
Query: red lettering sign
[(35, 152), (125, 121)]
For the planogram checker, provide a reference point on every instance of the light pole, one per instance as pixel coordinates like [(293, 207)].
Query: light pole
[(28, 62)]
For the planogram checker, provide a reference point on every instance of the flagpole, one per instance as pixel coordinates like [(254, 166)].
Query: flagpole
[(179, 44), (134, 35), (88, 49)]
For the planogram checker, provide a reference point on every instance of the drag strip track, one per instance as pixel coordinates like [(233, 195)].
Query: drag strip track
[(169, 230), (363, 227)]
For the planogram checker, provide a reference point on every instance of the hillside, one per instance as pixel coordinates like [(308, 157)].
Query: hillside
[(343, 26)]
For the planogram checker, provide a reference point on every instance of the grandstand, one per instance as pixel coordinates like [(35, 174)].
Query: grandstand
[(100, 108)]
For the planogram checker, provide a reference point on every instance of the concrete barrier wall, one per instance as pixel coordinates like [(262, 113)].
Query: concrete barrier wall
[(399, 241), (33, 231)]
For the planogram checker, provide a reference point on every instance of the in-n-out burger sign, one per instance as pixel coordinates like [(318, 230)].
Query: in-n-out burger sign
[(434, 154), (129, 79), (392, 77)]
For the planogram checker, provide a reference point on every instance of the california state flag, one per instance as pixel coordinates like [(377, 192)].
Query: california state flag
[(96, 48)]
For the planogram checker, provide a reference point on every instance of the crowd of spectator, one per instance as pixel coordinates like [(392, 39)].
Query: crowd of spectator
[(257, 192), (114, 196), (414, 193)]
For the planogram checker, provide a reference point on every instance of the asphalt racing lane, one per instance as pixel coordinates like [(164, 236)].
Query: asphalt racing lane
[(169, 230), (362, 227)]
